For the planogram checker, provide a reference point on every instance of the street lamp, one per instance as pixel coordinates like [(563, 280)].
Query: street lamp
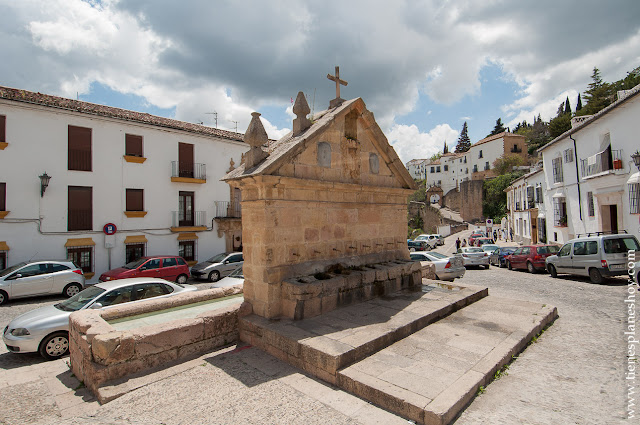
[(44, 183), (636, 159)]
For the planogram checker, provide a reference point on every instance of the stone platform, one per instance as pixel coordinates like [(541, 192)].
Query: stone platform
[(420, 354)]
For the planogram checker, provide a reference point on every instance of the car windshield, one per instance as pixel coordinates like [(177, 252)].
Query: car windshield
[(11, 269), (217, 258), (549, 249), (488, 247), (507, 250), (474, 250), (620, 245), (135, 264), (438, 255), (81, 299)]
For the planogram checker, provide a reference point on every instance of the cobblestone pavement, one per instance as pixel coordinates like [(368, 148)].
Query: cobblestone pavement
[(573, 374)]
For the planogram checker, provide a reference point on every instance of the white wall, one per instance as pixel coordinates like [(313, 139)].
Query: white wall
[(35, 226)]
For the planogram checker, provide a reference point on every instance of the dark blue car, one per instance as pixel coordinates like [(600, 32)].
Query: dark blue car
[(497, 256)]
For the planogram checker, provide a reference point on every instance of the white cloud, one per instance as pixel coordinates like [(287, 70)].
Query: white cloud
[(409, 143)]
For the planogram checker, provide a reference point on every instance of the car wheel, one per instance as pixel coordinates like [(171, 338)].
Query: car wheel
[(54, 346), (71, 289), (3, 297), (530, 267), (182, 279), (552, 271), (595, 276), (509, 265), (214, 276), (412, 250)]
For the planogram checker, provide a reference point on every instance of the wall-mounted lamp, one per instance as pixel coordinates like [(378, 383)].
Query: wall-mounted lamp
[(636, 159), (44, 183)]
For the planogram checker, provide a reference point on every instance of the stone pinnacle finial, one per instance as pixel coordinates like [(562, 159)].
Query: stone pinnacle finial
[(255, 136), (301, 109)]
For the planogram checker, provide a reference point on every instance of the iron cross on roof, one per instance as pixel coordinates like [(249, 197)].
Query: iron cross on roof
[(337, 101)]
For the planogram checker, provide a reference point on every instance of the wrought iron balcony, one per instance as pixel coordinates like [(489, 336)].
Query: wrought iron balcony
[(516, 149), (226, 209), (188, 219), (190, 171), (609, 159)]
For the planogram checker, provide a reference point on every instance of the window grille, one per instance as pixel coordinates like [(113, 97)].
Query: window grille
[(590, 205), (557, 170), (634, 198)]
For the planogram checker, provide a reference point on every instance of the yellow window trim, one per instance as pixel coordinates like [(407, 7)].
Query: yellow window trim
[(135, 239), (189, 229), (134, 159), (3, 214), (79, 242), (3, 145), (4, 246), (135, 214), (187, 237), (187, 180)]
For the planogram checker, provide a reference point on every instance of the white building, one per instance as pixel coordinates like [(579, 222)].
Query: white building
[(592, 184), (416, 168), (525, 208), (155, 179)]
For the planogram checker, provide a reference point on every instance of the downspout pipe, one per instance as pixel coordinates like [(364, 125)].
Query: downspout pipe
[(575, 152)]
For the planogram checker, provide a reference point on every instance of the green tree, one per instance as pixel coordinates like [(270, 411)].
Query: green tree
[(446, 148), (436, 156), (506, 162), (539, 135), (567, 106), (598, 96), (579, 104), (464, 143), (499, 128), (494, 204), (559, 125)]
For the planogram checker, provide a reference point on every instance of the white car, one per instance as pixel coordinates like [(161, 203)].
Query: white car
[(432, 240), (447, 268), (474, 256), (46, 329), (235, 278)]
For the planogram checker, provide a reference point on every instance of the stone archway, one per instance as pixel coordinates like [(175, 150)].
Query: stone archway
[(434, 195)]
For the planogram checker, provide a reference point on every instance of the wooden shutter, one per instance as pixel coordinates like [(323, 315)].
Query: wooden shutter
[(135, 199), (3, 196), (3, 128), (80, 208), (133, 145), (185, 159), (79, 148)]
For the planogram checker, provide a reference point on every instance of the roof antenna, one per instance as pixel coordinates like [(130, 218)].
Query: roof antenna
[(34, 255), (215, 116), (236, 123)]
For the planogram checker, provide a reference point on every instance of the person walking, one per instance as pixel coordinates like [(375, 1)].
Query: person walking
[(457, 244), (464, 243)]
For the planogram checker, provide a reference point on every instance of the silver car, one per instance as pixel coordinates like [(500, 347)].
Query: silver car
[(218, 266), (474, 256), (34, 278), (46, 329), (235, 278), (447, 268)]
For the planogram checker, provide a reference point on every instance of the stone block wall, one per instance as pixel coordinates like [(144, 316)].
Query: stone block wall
[(467, 201), (99, 353)]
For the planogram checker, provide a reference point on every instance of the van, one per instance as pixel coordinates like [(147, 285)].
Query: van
[(595, 256)]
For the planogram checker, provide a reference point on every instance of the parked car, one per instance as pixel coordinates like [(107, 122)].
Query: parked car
[(236, 277), (497, 257), (489, 247), (218, 266), (482, 241), (440, 239), (447, 268), (169, 267), (474, 256), (530, 257), (418, 246), (32, 278), (46, 329), (432, 240), (474, 236), (635, 272), (594, 256)]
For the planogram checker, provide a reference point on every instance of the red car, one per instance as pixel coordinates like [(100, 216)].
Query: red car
[(482, 241), (169, 267), (530, 257), (474, 236)]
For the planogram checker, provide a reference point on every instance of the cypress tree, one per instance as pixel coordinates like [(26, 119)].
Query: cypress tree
[(579, 104), (567, 106), (446, 148), (464, 143)]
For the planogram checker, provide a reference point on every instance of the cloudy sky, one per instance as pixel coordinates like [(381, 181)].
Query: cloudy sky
[(422, 67)]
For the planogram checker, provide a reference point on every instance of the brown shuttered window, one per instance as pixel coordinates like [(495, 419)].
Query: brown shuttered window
[(135, 199), (80, 208), (3, 196), (133, 145), (185, 159), (3, 128), (79, 148)]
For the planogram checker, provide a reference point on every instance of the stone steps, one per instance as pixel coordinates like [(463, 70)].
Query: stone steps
[(431, 375), (324, 344)]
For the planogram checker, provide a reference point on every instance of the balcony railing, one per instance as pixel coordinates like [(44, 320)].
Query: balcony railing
[(602, 162), (191, 171), (516, 150), (518, 206), (180, 219), (226, 209)]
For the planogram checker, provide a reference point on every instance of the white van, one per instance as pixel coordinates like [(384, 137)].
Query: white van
[(594, 256)]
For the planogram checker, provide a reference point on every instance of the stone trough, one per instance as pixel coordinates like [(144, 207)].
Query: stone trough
[(118, 342)]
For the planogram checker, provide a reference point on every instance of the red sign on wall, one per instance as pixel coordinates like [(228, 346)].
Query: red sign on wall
[(109, 229)]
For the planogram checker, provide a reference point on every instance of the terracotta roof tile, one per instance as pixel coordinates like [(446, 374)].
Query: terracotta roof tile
[(111, 112)]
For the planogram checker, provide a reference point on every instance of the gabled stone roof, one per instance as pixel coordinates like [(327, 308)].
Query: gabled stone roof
[(34, 98), (289, 146)]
